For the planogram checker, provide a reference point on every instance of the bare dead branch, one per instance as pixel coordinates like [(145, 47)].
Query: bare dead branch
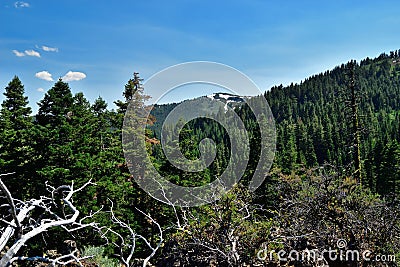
[(49, 219)]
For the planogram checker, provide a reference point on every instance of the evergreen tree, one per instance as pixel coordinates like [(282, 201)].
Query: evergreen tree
[(16, 137), (56, 105), (389, 170), (54, 148), (133, 94), (15, 107)]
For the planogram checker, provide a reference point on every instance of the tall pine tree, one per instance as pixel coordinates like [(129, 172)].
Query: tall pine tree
[(54, 146), (16, 141)]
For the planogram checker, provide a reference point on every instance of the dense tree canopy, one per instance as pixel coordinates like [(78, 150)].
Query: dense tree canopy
[(322, 121)]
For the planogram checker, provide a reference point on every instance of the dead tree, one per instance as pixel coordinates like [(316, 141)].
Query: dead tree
[(126, 244), (349, 101), (354, 101), (21, 224)]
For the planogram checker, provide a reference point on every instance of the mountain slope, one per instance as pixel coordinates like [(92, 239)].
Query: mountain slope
[(313, 120)]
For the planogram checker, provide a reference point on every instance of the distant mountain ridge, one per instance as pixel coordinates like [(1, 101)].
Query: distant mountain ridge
[(230, 100), (160, 112), (226, 97)]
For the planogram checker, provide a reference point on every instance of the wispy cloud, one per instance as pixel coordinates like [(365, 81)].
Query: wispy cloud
[(21, 4), (40, 89), (73, 76), (31, 53), (47, 48), (19, 54), (44, 75)]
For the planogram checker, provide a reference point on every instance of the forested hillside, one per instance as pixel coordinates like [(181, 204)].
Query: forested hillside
[(314, 125), (309, 200), (314, 121)]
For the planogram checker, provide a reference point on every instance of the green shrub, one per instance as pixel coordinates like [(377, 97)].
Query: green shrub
[(98, 258)]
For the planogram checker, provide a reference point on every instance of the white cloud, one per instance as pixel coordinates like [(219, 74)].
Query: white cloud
[(44, 75), (49, 49), (40, 89), (19, 54), (73, 76), (32, 53), (21, 4)]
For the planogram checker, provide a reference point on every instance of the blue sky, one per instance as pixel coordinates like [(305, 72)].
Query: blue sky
[(97, 45)]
